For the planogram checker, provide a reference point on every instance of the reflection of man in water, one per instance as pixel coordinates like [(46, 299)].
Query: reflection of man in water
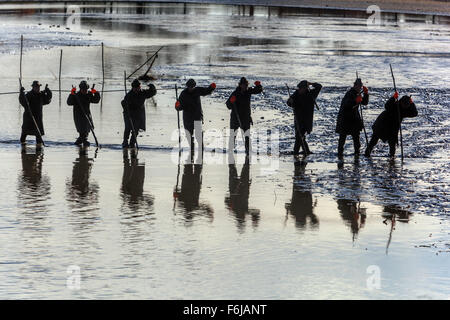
[(301, 205), (80, 192), (32, 187), (132, 189), (189, 194), (32, 169), (352, 214), (239, 192)]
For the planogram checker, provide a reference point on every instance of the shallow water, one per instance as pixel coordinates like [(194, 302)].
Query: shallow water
[(138, 229)]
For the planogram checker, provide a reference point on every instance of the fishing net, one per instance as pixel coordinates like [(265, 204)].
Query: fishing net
[(101, 65)]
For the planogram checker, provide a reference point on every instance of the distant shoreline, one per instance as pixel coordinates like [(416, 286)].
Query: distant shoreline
[(419, 7)]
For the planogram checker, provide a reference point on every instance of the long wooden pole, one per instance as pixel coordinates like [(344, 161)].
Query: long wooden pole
[(151, 65), (362, 118), (103, 76), (129, 76), (178, 118), (21, 49), (399, 116)]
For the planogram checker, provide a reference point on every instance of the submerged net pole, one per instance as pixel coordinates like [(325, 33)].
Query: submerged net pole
[(103, 76), (59, 78), (21, 49)]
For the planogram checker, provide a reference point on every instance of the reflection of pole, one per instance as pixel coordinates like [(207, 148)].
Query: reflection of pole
[(59, 79), (178, 117), (175, 192), (390, 233), (103, 75)]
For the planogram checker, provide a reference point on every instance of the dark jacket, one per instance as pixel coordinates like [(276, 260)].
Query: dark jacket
[(387, 124), (136, 105), (349, 120), (303, 105), (36, 101), (79, 111), (242, 105), (191, 105)]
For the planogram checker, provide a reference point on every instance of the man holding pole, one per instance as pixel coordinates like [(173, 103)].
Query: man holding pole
[(349, 121), (189, 101), (82, 117), (134, 102), (387, 125), (33, 101), (303, 101)]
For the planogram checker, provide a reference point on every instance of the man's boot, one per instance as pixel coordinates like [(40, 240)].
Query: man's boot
[(79, 141)]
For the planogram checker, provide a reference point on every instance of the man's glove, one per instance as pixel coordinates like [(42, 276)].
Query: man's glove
[(395, 95), (73, 91), (22, 89), (257, 83), (93, 91), (213, 85), (233, 99), (358, 99), (177, 105)]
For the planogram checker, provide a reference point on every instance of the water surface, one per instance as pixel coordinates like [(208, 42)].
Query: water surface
[(148, 227)]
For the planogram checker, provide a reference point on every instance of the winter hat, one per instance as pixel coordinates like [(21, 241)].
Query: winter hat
[(191, 83), (406, 100), (135, 83), (243, 80), (84, 85), (302, 84), (36, 84), (358, 82)]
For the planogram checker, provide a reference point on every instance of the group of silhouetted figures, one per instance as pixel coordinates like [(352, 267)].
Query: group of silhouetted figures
[(302, 101)]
